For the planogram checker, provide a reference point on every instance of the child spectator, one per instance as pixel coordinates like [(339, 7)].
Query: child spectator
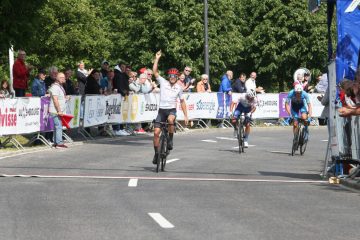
[(5, 89)]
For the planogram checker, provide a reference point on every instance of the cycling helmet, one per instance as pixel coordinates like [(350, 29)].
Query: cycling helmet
[(251, 93), (298, 88), (173, 71)]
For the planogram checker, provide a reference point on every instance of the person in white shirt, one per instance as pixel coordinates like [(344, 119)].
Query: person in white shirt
[(251, 84), (57, 107), (169, 92)]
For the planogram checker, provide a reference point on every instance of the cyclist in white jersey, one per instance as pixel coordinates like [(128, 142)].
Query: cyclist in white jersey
[(169, 92)]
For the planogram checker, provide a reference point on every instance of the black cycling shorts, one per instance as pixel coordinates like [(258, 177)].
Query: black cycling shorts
[(163, 115)]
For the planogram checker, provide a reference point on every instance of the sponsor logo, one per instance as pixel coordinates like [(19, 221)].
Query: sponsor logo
[(268, 103), (112, 108), (8, 117), (151, 107), (29, 112), (205, 106)]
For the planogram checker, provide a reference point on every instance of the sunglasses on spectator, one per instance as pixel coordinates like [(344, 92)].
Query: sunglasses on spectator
[(187, 70)]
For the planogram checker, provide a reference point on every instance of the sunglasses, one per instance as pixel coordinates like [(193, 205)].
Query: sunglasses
[(173, 76), (187, 70)]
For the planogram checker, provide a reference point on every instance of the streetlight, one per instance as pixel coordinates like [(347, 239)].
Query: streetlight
[(206, 47)]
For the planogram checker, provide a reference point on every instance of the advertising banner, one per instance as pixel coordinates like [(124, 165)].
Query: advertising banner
[(268, 106), (73, 108), (94, 111), (113, 108), (8, 116), (199, 105), (46, 122), (28, 119), (282, 101)]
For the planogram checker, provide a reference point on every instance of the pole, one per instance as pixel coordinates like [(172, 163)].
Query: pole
[(11, 63), (206, 47)]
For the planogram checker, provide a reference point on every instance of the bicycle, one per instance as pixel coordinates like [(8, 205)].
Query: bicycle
[(241, 123), (163, 151), (300, 137)]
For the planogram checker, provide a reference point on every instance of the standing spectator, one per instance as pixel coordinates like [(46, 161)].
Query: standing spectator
[(4, 89), (38, 88), (21, 73), (49, 80), (189, 80), (57, 108), (92, 83), (203, 85), (69, 85), (182, 83), (251, 84), (238, 85), (105, 67), (107, 82), (81, 75), (225, 85), (121, 79), (322, 83)]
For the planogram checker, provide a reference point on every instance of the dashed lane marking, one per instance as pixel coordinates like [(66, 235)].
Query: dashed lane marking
[(164, 178), (208, 140), (227, 138), (172, 160), (133, 182), (325, 140), (161, 220), (248, 146)]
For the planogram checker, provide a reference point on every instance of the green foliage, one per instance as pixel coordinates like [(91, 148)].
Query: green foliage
[(271, 37)]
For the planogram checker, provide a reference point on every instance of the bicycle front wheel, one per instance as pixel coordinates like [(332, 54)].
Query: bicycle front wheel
[(240, 135), (163, 151), (295, 144), (304, 141)]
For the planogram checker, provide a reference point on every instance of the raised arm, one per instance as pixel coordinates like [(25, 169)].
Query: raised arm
[(155, 66)]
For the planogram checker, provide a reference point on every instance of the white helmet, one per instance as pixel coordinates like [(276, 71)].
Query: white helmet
[(298, 88), (251, 93)]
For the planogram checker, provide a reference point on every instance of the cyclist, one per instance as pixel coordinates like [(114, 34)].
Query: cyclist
[(169, 92), (300, 103), (246, 104)]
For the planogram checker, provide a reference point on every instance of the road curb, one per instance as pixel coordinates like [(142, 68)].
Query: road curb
[(351, 183)]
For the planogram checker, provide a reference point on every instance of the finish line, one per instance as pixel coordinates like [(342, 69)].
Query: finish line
[(163, 178)]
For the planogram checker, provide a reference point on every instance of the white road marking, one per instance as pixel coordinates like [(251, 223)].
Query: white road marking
[(208, 140), (172, 160), (133, 182), (248, 146), (161, 220), (227, 138), (325, 140), (166, 178)]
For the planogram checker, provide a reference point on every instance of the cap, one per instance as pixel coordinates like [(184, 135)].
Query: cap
[(142, 70), (105, 62), (41, 71)]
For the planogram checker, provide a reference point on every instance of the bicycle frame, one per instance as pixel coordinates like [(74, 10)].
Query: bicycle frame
[(163, 151), (300, 138), (241, 123)]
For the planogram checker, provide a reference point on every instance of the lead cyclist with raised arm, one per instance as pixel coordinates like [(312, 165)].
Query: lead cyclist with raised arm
[(169, 92)]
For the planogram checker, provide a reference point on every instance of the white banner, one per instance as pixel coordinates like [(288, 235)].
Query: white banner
[(316, 104), (94, 112), (8, 116), (267, 106)]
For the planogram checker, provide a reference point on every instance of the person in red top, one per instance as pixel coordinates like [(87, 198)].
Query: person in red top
[(21, 73)]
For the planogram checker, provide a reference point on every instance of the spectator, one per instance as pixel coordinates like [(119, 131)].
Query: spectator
[(238, 85), (21, 73), (109, 81), (150, 83), (81, 75), (5, 89), (181, 82), (251, 84), (322, 83), (69, 85), (121, 79), (38, 88), (49, 80), (203, 85), (57, 108), (105, 67), (225, 85), (189, 80), (121, 85), (349, 90), (134, 84), (92, 83)]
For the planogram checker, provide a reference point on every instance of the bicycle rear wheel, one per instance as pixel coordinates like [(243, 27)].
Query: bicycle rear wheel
[(163, 151), (303, 141), (295, 144)]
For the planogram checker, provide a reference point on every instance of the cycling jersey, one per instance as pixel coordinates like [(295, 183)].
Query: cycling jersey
[(168, 93), (244, 105), (298, 104)]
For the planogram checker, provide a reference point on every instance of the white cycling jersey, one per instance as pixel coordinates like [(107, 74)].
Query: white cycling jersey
[(168, 93), (242, 99)]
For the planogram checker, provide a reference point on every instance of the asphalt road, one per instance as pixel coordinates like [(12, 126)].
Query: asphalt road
[(107, 189)]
